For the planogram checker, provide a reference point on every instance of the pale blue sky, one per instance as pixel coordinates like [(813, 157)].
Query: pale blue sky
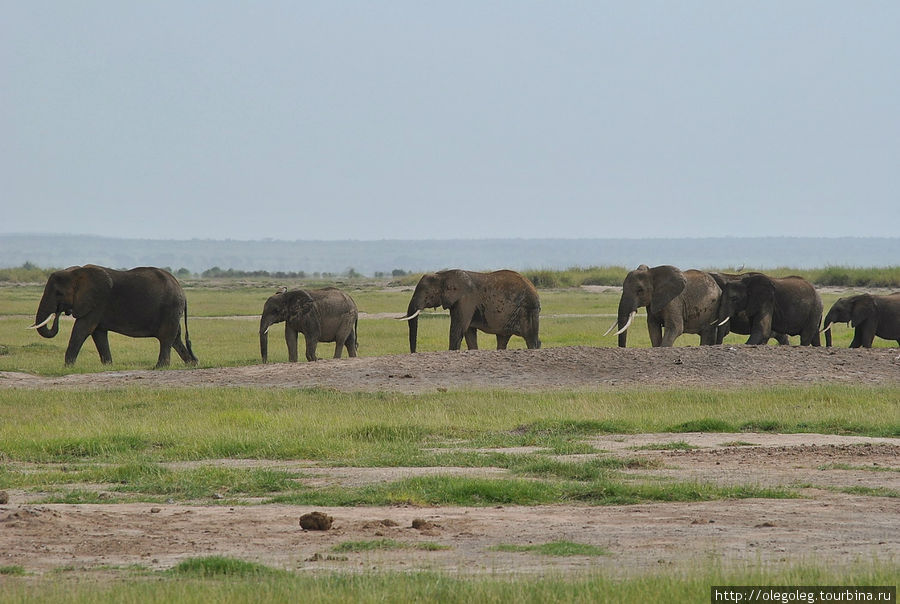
[(399, 120)]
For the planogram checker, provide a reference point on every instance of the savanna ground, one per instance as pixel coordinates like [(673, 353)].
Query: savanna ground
[(575, 472)]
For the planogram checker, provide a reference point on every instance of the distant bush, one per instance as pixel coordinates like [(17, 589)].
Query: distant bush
[(577, 276), (27, 273), (217, 273)]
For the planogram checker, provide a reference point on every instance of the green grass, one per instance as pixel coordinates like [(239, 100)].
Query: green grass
[(554, 548), (869, 491), (689, 585), (12, 570), (678, 445), (844, 466), (220, 566), (385, 545)]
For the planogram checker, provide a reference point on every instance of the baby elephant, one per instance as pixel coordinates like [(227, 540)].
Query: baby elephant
[(321, 315), (870, 315)]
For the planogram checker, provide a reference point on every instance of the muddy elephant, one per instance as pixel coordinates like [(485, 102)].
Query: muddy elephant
[(739, 323), (870, 315), (143, 302), (788, 305), (321, 315), (679, 301), (503, 303)]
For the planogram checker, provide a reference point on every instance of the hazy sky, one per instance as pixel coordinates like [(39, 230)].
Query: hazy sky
[(397, 120)]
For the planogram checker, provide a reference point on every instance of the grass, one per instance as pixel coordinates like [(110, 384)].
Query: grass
[(678, 445), (221, 566), (554, 548), (385, 545), (269, 584), (844, 466)]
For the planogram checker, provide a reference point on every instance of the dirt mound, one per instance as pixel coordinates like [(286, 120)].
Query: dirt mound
[(548, 368)]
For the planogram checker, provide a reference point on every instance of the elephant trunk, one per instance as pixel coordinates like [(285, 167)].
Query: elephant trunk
[(829, 320), (413, 311), (45, 313), (264, 324), (627, 306)]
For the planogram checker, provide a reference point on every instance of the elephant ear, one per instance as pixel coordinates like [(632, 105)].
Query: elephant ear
[(455, 285), (760, 294), (668, 283), (91, 289), (300, 306), (720, 280), (863, 308)]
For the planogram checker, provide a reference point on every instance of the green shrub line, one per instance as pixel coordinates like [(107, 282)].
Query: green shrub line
[(838, 276)]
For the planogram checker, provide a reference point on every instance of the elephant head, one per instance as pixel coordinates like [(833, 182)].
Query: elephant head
[(651, 287), (753, 294), (77, 291), (854, 310), (296, 307), (444, 289)]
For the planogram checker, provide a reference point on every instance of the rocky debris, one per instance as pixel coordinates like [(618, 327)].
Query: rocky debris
[(316, 521)]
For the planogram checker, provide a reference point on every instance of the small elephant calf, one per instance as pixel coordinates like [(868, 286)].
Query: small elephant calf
[(321, 315)]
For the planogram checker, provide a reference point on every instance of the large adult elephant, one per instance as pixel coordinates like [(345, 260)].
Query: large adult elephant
[(503, 303), (870, 315), (788, 305), (321, 315), (679, 301), (739, 323), (143, 302)]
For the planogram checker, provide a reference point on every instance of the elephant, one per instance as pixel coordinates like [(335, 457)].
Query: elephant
[(870, 315), (680, 301), (502, 302), (739, 323), (321, 315), (788, 305), (143, 302)]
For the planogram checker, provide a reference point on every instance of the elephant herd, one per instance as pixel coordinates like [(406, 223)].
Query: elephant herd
[(149, 302)]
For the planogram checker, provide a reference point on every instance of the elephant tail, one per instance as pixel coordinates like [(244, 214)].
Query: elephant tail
[(187, 337)]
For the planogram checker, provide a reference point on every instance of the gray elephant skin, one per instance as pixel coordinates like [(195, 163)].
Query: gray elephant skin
[(870, 315), (144, 302), (321, 315), (739, 323), (502, 303), (787, 305), (677, 301)]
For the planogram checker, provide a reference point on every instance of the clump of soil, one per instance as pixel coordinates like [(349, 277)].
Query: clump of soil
[(316, 521)]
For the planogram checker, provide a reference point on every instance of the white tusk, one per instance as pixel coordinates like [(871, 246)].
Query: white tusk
[(611, 327), (412, 316), (829, 327), (724, 321), (630, 319), (267, 330), (47, 320)]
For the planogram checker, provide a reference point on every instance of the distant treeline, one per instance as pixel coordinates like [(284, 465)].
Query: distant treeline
[(838, 276)]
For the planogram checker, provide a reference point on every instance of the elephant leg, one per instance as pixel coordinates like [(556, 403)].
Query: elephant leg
[(782, 339), (181, 349), (654, 328), (857, 339), (709, 336), (760, 330), (502, 342), (868, 336), (674, 327), (165, 353), (311, 344), (351, 343), (80, 332), (101, 341), (472, 338), (460, 319), (290, 338), (532, 341)]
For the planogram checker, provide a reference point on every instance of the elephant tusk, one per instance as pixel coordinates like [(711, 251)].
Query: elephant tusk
[(829, 327), (628, 324), (611, 327), (724, 321), (44, 322), (267, 330), (412, 316)]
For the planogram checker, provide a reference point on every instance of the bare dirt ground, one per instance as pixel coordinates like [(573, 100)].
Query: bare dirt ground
[(548, 368), (838, 520)]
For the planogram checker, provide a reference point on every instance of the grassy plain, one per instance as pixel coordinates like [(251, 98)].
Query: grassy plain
[(154, 445)]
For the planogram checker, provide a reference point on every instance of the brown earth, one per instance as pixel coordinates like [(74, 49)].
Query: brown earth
[(548, 368), (849, 510)]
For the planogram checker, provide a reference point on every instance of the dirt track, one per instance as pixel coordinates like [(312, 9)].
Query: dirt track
[(548, 368), (832, 524)]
